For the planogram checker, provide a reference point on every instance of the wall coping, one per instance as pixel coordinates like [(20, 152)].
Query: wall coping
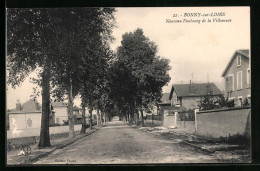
[(18, 112), (225, 109)]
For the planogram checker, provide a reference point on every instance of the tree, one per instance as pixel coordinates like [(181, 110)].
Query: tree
[(139, 74), (28, 47), (43, 38)]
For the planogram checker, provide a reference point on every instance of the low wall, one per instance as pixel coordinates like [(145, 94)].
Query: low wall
[(36, 131), (190, 125), (169, 120), (224, 122)]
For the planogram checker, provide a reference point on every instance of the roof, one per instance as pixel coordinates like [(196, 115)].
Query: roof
[(244, 52), (165, 98), (29, 106), (78, 116), (59, 104), (175, 108), (76, 108), (195, 90)]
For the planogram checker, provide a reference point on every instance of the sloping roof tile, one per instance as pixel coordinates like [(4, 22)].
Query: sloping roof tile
[(202, 89), (29, 106), (244, 52), (165, 98), (78, 116), (76, 108)]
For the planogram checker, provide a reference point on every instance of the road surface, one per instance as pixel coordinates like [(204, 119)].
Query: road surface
[(118, 143)]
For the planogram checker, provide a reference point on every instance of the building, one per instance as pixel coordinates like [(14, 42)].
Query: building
[(61, 111), (165, 102), (188, 95), (27, 115), (77, 114), (237, 77)]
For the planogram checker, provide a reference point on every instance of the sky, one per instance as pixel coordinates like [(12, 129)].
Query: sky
[(197, 51)]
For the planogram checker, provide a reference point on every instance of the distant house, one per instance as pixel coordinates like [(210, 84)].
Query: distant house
[(237, 77), (157, 110), (188, 95), (77, 114), (76, 110), (165, 102), (27, 115), (61, 111)]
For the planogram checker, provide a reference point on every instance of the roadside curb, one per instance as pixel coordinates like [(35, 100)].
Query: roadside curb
[(196, 147), (36, 158), (201, 148)]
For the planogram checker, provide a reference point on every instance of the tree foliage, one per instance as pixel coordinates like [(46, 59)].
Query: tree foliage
[(67, 43), (138, 74)]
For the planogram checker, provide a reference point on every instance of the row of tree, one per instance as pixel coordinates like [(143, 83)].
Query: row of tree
[(71, 46), (137, 76)]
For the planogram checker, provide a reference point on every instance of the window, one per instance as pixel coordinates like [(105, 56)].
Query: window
[(29, 122), (248, 78), (239, 80), (230, 82), (238, 60)]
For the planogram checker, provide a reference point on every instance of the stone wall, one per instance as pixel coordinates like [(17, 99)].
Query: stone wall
[(224, 122)]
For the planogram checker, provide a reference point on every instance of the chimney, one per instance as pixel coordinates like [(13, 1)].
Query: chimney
[(18, 105)]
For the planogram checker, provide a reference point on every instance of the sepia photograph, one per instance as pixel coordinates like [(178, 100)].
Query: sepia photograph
[(128, 85)]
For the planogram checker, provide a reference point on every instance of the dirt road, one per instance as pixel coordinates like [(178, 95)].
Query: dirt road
[(118, 143)]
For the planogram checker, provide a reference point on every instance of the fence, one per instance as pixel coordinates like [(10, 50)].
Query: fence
[(186, 116), (153, 119)]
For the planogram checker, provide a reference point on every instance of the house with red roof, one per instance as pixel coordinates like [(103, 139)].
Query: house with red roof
[(188, 95), (237, 77)]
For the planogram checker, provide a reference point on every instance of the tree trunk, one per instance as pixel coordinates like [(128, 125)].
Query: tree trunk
[(137, 116), (98, 118), (71, 117), (90, 117), (83, 127), (44, 134), (132, 116), (101, 117), (142, 117)]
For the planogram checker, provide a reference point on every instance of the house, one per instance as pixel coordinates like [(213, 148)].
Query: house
[(188, 95), (155, 110), (237, 77), (61, 111), (165, 102), (27, 115), (76, 110), (77, 114)]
